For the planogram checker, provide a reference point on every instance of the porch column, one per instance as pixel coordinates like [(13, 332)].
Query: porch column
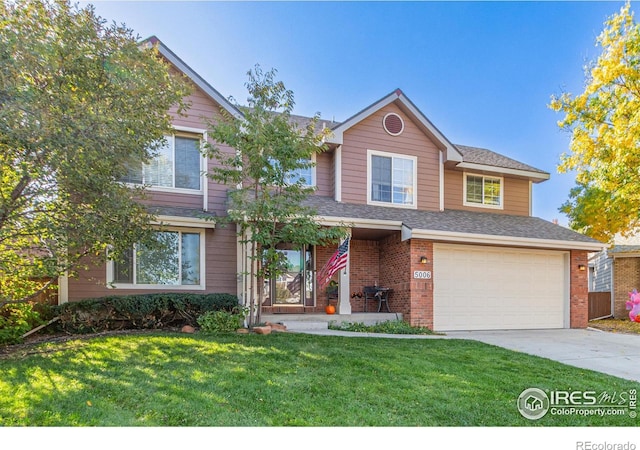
[(344, 299)]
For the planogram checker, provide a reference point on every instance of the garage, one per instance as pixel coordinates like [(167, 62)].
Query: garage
[(496, 288)]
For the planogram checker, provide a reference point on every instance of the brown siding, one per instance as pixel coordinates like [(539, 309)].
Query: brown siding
[(516, 195), (324, 174), (202, 109), (220, 243), (173, 199), (220, 271), (370, 135)]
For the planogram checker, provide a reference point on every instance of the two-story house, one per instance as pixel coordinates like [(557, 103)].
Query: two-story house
[(448, 228)]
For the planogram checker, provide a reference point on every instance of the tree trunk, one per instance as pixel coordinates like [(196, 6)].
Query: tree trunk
[(252, 277)]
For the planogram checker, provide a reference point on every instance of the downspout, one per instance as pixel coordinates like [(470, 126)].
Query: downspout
[(337, 175), (204, 177), (63, 288), (441, 180), (613, 291)]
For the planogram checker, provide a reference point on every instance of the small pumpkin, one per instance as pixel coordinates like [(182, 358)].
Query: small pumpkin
[(330, 309)]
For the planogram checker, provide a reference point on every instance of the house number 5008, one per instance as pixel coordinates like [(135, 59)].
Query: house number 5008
[(422, 274)]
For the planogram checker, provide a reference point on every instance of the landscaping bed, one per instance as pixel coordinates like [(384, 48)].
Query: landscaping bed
[(616, 325)]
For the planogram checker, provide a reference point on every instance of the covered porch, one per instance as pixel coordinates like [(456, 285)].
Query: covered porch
[(299, 294)]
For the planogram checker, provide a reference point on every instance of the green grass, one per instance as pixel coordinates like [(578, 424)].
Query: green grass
[(387, 327), (166, 379)]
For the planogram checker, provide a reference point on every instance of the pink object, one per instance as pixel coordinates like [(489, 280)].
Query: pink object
[(633, 305)]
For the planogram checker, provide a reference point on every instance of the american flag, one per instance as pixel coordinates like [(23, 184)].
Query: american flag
[(337, 262)]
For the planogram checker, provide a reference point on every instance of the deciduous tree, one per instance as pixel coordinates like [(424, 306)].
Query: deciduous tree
[(605, 143), (79, 100), (266, 199)]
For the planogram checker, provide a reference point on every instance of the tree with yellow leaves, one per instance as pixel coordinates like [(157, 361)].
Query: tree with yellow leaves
[(605, 144)]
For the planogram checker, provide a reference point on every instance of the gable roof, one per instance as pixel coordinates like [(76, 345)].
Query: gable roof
[(407, 106), (193, 76), (463, 156), (483, 159), (624, 250), (454, 225)]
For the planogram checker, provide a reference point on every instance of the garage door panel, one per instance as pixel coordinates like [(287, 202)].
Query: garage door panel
[(485, 288)]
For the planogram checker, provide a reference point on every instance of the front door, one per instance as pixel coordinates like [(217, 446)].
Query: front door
[(295, 286)]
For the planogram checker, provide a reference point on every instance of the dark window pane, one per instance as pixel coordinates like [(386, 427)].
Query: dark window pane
[(380, 179), (123, 271), (190, 258), (187, 160), (158, 264)]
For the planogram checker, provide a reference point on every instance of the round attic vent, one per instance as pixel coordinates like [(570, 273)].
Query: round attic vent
[(393, 124)]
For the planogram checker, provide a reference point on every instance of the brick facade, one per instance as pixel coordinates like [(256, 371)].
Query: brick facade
[(395, 273), (626, 274), (579, 289), (411, 297), (421, 313), (391, 262), (364, 265)]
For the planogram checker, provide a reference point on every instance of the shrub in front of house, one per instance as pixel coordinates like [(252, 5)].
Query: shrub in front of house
[(220, 321), (143, 311), (16, 319)]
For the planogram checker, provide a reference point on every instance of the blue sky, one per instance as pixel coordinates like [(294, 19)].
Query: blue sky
[(482, 72)]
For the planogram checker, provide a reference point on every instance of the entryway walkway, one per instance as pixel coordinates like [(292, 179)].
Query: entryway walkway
[(611, 353)]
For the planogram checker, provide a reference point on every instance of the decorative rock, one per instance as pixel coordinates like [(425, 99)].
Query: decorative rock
[(277, 327), (242, 331), (262, 330), (188, 329)]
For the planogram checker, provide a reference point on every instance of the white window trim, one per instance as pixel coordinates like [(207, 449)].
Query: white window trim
[(482, 205), (166, 287), (203, 166), (314, 183), (371, 153)]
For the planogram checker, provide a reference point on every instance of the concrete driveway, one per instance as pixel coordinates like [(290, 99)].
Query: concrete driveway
[(610, 353)]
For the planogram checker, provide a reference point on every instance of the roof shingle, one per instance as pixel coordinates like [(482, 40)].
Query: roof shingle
[(491, 158), (482, 223)]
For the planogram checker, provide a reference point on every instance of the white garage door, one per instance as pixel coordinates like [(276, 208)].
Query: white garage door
[(493, 288)]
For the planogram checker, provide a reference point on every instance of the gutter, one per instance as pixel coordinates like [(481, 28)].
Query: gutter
[(490, 239)]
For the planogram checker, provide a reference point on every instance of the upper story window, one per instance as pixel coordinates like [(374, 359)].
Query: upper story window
[(392, 179), (177, 165), (484, 191), (307, 175), (176, 261)]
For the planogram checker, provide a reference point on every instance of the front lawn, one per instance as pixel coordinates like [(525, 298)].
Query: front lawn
[(169, 379)]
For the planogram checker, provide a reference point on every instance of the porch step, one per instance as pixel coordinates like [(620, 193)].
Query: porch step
[(296, 322), (304, 325)]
